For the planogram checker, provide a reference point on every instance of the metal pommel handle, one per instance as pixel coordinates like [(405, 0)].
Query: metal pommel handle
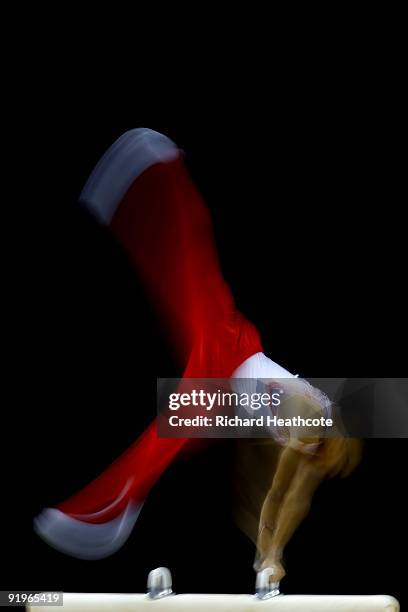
[(264, 588), (159, 583)]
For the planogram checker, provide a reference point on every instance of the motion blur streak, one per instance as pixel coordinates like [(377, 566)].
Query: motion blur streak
[(141, 189)]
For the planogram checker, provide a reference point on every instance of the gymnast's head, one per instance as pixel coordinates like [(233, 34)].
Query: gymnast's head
[(313, 428)]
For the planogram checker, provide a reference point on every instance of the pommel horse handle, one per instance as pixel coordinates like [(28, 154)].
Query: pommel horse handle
[(159, 583), (264, 588)]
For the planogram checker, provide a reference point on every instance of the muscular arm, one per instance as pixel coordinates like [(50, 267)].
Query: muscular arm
[(292, 510), (288, 501), (285, 471)]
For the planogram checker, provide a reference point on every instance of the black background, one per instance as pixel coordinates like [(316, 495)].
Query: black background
[(308, 222)]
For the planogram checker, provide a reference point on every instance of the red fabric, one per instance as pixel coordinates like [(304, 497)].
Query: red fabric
[(166, 229)]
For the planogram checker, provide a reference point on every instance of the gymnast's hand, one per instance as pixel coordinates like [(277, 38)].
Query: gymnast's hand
[(275, 565)]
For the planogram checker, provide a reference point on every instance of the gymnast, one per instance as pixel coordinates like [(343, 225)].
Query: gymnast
[(140, 189)]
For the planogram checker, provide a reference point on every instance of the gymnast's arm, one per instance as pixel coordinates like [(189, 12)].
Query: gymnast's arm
[(288, 501)]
